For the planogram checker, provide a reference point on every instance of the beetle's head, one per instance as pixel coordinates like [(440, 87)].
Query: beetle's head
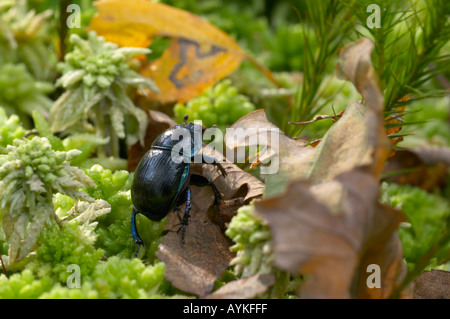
[(187, 138)]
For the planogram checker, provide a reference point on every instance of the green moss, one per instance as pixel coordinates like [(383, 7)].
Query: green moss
[(112, 187), (252, 243), (428, 218), (61, 247), (30, 173), (115, 279), (254, 254), (23, 285), (20, 93), (10, 129), (127, 278), (219, 105), (28, 37), (96, 75)]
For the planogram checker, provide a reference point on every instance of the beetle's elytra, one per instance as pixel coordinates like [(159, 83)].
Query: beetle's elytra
[(162, 178)]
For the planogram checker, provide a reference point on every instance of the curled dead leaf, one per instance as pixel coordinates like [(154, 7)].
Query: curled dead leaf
[(432, 284), (275, 148), (194, 266), (245, 288), (425, 167), (331, 232), (357, 139)]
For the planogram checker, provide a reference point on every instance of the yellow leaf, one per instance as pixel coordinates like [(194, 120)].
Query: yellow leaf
[(198, 56)]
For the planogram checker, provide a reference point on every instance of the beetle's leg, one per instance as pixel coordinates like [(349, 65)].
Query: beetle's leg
[(134, 231), (213, 161), (202, 181), (178, 209), (184, 221)]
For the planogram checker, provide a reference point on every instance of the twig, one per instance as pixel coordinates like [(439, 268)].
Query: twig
[(33, 132), (63, 14), (316, 118)]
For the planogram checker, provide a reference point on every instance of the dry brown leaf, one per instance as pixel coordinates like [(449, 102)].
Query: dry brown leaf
[(357, 139), (355, 65), (257, 131), (331, 232), (246, 288), (237, 183), (352, 141), (434, 284), (426, 168), (285, 151), (195, 265), (432, 155)]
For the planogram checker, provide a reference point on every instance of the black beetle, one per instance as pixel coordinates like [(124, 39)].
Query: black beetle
[(162, 177)]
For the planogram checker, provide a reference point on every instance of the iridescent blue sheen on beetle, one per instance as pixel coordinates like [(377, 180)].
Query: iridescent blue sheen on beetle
[(162, 177)]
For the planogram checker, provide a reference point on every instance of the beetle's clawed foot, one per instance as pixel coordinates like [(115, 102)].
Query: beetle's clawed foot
[(138, 241), (183, 231)]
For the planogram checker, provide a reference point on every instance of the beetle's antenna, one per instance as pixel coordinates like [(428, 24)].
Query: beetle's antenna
[(186, 118)]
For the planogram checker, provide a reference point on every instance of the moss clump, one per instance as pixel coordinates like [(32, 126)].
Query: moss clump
[(219, 105), (30, 173), (96, 76), (428, 218)]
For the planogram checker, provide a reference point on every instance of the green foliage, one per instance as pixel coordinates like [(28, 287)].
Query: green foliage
[(435, 112), (19, 92), (252, 244), (112, 187), (330, 29), (426, 240), (84, 142), (125, 278), (23, 285), (27, 37), (46, 275), (254, 254), (96, 75), (61, 246), (30, 173), (287, 45), (408, 45), (10, 129), (114, 279), (219, 105)]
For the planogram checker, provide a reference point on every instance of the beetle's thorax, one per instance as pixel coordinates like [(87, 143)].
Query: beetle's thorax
[(183, 138)]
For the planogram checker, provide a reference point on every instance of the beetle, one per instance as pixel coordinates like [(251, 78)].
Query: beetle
[(162, 177)]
